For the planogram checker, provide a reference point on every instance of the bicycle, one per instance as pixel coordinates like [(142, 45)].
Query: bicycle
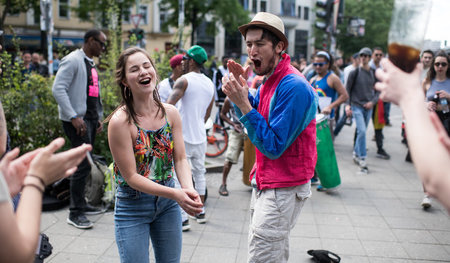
[(216, 137)]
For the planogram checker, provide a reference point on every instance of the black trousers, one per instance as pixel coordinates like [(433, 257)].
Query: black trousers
[(379, 139), (78, 179)]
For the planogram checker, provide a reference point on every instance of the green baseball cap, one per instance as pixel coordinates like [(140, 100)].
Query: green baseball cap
[(198, 54)]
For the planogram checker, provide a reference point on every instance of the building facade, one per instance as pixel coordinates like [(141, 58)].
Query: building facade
[(298, 19), (68, 31)]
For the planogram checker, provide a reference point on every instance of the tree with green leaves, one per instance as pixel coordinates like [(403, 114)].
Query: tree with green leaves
[(377, 14), (15, 6), (96, 11), (229, 13)]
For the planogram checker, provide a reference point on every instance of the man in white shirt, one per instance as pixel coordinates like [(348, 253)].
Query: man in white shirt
[(166, 85), (196, 92)]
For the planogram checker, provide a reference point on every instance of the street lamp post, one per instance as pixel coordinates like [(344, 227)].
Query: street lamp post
[(47, 25)]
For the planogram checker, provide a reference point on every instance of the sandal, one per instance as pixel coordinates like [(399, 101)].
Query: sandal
[(324, 256), (223, 190)]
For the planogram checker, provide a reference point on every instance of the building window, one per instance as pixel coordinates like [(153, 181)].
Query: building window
[(244, 4), (254, 6), (288, 7), (301, 44), (306, 13), (263, 7), (15, 12), (143, 10), (163, 18), (299, 12), (64, 9), (126, 16)]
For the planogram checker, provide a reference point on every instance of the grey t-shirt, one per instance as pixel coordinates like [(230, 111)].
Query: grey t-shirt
[(4, 191), (436, 86), (363, 90)]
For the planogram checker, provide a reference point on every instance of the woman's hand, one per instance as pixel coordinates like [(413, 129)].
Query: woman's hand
[(14, 170), (327, 110), (431, 106), (51, 166), (443, 94), (189, 200)]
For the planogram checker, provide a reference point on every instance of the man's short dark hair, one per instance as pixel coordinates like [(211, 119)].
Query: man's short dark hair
[(429, 51), (378, 48), (92, 33), (266, 35)]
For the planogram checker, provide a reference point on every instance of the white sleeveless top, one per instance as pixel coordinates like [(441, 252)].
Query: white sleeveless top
[(195, 102)]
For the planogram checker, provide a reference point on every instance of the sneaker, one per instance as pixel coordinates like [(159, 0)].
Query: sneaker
[(314, 181), (320, 188), (426, 202), (79, 221), (382, 154), (363, 171), (356, 160), (362, 164), (185, 226), (92, 210), (201, 218)]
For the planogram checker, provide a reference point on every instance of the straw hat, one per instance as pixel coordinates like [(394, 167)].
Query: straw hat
[(268, 21)]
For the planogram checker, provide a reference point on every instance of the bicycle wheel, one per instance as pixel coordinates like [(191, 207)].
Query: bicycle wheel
[(217, 141)]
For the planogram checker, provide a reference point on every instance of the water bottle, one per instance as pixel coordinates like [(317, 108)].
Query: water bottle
[(444, 105)]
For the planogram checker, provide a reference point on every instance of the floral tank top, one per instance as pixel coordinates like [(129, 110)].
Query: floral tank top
[(153, 151)]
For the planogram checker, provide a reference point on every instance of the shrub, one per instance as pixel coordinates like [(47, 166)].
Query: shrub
[(30, 109)]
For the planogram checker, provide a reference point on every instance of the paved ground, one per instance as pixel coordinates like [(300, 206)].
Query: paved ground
[(372, 218)]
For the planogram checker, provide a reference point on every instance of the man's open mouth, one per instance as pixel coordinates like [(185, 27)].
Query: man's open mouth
[(256, 62)]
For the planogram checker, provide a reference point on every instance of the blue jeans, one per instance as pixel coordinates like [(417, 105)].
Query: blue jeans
[(138, 217), (362, 118)]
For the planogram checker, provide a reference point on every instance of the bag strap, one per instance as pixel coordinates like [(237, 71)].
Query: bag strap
[(353, 85)]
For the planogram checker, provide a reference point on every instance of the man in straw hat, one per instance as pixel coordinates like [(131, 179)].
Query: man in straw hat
[(280, 121)]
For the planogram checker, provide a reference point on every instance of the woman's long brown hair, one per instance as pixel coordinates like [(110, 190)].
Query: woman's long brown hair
[(127, 96)]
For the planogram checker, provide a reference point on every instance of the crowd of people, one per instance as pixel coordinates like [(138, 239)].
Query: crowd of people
[(158, 141)]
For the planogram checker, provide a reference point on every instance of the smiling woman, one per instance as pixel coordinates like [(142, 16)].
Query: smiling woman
[(146, 142)]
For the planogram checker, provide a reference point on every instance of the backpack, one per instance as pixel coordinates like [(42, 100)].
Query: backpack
[(95, 181), (109, 194)]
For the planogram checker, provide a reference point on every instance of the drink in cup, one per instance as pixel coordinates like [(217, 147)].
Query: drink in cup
[(408, 25)]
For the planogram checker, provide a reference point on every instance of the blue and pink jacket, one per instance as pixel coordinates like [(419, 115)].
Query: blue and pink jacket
[(282, 126)]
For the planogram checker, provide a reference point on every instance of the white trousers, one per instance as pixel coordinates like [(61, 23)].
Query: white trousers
[(273, 213)]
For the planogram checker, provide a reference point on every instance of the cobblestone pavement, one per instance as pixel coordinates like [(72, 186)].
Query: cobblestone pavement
[(373, 217)]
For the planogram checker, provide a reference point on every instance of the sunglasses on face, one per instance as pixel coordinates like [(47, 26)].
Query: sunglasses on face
[(101, 43), (186, 58), (320, 64), (378, 55), (364, 55), (443, 64)]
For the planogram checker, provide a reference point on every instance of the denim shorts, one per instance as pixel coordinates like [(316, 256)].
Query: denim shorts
[(139, 217)]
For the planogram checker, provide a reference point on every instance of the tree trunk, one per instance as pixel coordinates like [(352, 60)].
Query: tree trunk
[(2, 22), (194, 27)]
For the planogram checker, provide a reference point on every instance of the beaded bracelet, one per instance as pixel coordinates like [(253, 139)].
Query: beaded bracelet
[(35, 186), (39, 178)]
